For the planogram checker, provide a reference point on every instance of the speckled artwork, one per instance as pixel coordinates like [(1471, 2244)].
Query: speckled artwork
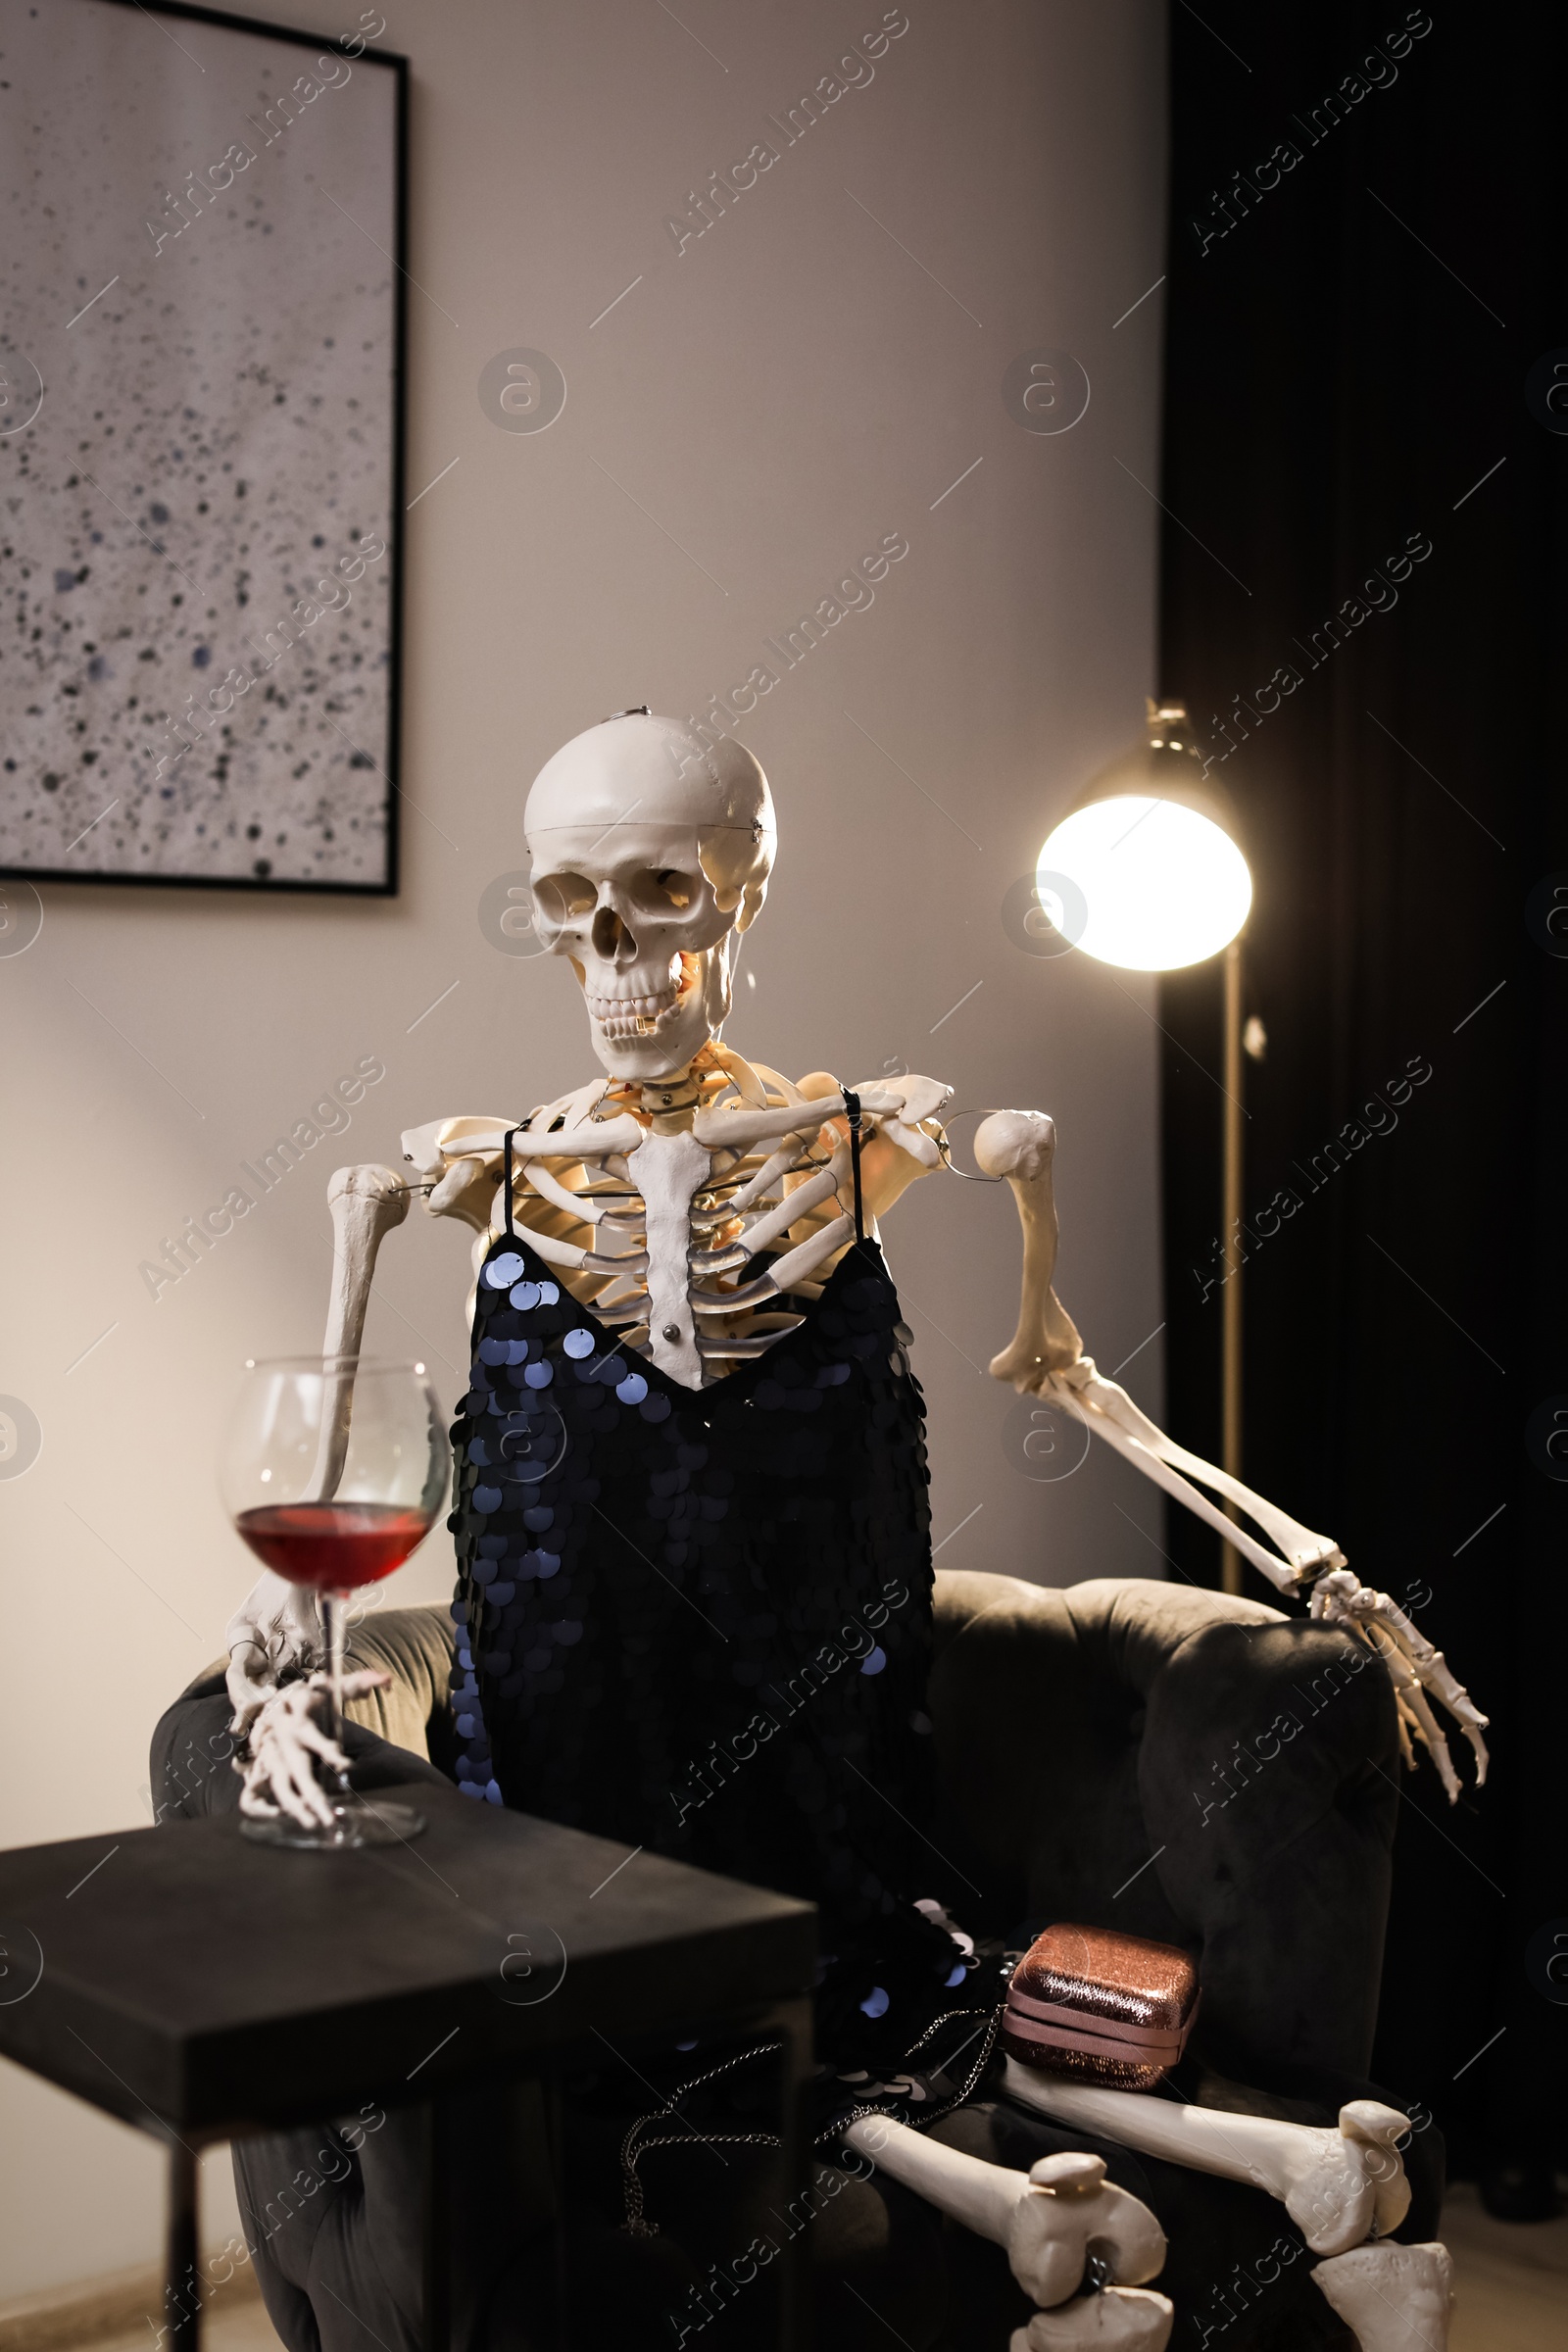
[(199, 410)]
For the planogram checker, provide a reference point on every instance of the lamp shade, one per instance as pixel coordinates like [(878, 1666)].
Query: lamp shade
[(1145, 871)]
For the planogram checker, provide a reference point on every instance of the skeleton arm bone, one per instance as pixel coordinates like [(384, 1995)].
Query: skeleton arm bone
[(277, 1625), (1020, 1144), (1046, 1357), (1339, 1597)]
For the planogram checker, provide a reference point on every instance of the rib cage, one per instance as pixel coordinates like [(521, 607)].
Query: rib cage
[(746, 1192)]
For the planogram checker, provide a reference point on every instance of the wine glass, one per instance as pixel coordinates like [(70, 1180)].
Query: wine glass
[(333, 1468)]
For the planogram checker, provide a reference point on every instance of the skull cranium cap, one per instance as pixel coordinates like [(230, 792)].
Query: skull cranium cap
[(654, 774)]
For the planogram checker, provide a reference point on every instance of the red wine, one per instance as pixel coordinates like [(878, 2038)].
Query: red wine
[(332, 1547)]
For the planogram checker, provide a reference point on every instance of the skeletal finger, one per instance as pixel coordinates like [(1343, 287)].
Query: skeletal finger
[(363, 1679), (310, 1803)]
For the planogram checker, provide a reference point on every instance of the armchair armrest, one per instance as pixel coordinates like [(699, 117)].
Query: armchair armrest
[(402, 1733), (1186, 1766)]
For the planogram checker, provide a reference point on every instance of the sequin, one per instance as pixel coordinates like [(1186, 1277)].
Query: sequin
[(682, 1667), (503, 1271)]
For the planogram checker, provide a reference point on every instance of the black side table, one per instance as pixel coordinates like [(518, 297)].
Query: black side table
[(202, 1987)]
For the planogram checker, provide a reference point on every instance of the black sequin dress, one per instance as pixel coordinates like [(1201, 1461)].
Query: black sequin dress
[(699, 1622)]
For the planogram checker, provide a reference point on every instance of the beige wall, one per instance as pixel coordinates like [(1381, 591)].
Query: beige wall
[(758, 413)]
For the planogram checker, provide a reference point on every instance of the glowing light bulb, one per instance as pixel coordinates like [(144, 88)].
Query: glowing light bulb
[(1158, 885)]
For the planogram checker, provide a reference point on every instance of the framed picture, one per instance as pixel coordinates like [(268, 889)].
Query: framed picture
[(201, 438)]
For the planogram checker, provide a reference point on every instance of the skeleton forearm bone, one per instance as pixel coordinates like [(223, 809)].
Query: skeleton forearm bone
[(1047, 1358), (1339, 1597)]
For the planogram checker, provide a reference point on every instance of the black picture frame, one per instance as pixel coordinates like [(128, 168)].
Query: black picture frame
[(398, 65)]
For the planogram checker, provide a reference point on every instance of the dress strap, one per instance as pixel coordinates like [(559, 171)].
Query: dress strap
[(505, 1155), (852, 1104)]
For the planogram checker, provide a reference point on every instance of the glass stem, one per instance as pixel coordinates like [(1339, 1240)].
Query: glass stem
[(334, 1614)]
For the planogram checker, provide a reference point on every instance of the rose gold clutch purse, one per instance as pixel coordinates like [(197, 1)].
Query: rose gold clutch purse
[(1101, 2007)]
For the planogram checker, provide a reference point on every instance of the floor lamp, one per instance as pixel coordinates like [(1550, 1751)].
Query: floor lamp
[(1144, 873)]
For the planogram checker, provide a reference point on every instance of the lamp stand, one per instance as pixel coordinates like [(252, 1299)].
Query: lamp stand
[(1235, 1257)]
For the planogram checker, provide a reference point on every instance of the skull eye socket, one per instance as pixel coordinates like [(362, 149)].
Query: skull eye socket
[(561, 897), (677, 890)]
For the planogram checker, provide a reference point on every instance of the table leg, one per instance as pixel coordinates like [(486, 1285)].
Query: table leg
[(794, 2069), (437, 2227), (182, 2308), (555, 2142)]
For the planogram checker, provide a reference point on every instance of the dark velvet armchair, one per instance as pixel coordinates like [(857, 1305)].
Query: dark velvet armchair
[(1131, 1754)]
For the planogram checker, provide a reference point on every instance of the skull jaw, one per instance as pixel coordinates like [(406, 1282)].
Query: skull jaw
[(665, 1048)]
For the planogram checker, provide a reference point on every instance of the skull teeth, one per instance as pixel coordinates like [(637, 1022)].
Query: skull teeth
[(615, 1012), (631, 1016)]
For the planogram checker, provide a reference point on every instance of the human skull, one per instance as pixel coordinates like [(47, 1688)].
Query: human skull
[(651, 843)]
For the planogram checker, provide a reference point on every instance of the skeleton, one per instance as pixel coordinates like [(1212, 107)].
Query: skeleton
[(649, 1192)]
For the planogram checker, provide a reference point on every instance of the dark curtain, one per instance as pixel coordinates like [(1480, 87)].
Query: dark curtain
[(1365, 478)]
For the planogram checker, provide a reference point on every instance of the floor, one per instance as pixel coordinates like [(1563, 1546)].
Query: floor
[(235, 2326), (1512, 2278)]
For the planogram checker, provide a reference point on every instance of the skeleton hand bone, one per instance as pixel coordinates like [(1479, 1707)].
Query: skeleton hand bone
[(288, 1741), (276, 1626), (1414, 1667)]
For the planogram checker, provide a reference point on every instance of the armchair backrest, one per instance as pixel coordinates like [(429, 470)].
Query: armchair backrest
[(1186, 1766), (1127, 1755)]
